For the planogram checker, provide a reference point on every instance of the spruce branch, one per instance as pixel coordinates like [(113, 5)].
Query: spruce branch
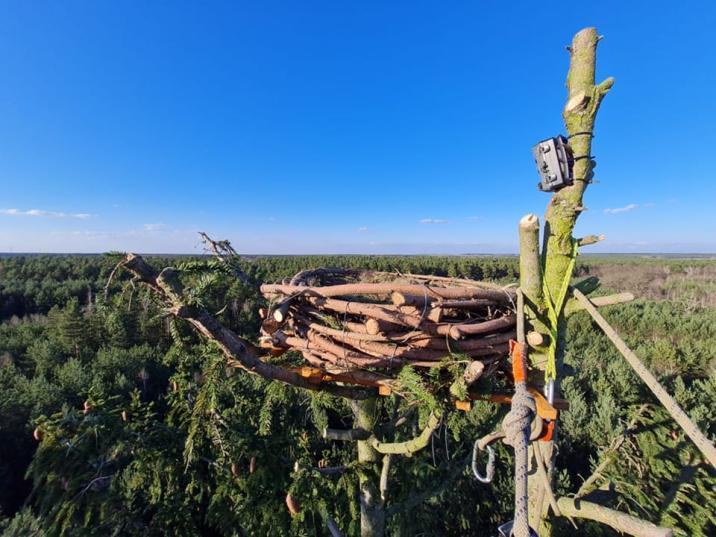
[(239, 352)]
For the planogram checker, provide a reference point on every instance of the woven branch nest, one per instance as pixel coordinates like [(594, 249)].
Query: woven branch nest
[(361, 327)]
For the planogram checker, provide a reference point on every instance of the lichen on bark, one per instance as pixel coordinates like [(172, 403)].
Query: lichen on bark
[(584, 97)]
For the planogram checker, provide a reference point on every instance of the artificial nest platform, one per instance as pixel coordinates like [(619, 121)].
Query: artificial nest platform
[(361, 327)]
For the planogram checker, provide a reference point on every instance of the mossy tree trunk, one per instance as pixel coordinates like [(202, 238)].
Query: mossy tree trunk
[(558, 249), (372, 509)]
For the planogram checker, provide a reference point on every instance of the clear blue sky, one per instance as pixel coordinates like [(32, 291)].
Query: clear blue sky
[(367, 127)]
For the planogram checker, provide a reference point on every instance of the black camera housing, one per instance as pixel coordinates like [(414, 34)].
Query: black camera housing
[(555, 163)]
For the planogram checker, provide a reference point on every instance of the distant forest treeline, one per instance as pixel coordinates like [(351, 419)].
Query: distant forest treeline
[(142, 431), (34, 283)]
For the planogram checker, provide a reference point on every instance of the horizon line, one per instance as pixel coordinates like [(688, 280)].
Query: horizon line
[(466, 254)]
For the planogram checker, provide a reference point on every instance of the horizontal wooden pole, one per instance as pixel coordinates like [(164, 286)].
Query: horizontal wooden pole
[(614, 519)]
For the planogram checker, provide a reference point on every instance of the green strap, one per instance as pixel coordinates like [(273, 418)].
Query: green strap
[(554, 307)]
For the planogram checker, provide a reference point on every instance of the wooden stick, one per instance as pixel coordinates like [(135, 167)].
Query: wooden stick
[(446, 279), (473, 303), (385, 289), (346, 374), (599, 301), (373, 311), (671, 406), (408, 447), (408, 299), (387, 344), (387, 350), (458, 331), (375, 327), (619, 521)]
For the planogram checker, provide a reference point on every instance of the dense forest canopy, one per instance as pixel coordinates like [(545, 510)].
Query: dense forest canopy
[(116, 418)]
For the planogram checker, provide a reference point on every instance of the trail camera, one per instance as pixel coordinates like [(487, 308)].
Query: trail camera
[(554, 163)]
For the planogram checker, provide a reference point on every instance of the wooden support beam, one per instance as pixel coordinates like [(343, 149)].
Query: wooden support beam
[(672, 407), (614, 519)]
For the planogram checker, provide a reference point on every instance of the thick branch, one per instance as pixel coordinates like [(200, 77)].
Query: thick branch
[(238, 351), (461, 282), (386, 289), (467, 304), (408, 447), (558, 252), (614, 519), (579, 115), (420, 349), (388, 314), (530, 268), (573, 305), (384, 474)]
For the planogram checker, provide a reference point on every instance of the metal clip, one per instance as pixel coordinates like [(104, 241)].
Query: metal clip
[(489, 469)]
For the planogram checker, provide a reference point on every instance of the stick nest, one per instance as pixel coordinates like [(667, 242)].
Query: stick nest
[(362, 327)]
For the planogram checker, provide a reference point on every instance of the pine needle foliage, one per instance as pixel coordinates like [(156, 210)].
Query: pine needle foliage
[(174, 443)]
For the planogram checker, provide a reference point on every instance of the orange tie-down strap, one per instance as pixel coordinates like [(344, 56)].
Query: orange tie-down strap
[(545, 410), (519, 368), (317, 376)]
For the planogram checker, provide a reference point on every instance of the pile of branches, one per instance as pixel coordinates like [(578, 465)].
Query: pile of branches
[(363, 327)]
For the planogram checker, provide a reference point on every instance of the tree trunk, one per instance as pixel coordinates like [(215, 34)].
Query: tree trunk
[(372, 512), (559, 246)]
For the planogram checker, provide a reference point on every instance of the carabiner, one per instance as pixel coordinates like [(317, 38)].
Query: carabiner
[(490, 469)]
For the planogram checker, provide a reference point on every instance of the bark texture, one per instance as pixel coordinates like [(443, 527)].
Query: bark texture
[(584, 96), (372, 512), (619, 521)]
